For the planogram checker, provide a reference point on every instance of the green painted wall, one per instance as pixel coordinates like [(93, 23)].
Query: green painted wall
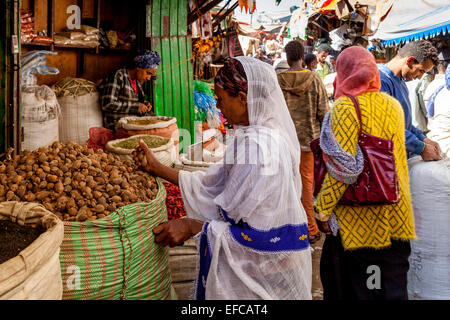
[(174, 89)]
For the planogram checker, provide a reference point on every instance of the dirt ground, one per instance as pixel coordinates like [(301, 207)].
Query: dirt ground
[(317, 290)]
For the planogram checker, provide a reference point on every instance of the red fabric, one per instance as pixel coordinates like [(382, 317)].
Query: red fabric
[(99, 137), (357, 73), (134, 85)]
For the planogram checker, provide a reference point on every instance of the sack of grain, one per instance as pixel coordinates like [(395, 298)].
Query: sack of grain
[(116, 257), (40, 116), (72, 35), (428, 276), (165, 127), (34, 274), (163, 148), (89, 30), (80, 109)]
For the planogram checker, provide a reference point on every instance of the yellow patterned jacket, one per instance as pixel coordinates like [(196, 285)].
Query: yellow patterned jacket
[(369, 226)]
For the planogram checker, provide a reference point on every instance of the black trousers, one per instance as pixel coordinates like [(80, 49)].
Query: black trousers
[(364, 274)]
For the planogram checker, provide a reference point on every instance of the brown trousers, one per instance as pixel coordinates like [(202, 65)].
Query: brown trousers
[(307, 174)]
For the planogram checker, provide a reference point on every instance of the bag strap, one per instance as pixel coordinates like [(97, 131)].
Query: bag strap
[(358, 111)]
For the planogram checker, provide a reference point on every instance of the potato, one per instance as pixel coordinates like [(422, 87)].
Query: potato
[(116, 180), (52, 178), (42, 195), (72, 211), (21, 191), (66, 177), (99, 208), (10, 195), (59, 187)]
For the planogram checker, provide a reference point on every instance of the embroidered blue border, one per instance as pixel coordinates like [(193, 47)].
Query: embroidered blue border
[(284, 238), (205, 262)]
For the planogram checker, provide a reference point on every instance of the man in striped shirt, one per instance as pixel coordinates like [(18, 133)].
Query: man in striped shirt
[(121, 92)]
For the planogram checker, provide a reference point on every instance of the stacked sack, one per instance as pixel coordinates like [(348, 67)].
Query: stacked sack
[(86, 36), (40, 116), (26, 26), (80, 109), (27, 30), (162, 126)]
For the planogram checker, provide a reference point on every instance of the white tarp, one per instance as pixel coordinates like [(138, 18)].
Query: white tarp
[(414, 19)]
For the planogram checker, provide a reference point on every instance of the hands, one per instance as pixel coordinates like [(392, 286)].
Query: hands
[(432, 150), (150, 164), (177, 231), (145, 107), (323, 226)]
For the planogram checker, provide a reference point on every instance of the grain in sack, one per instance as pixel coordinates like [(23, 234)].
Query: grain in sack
[(80, 109)]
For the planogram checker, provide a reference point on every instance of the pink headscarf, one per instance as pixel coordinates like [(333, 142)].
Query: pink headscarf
[(357, 73)]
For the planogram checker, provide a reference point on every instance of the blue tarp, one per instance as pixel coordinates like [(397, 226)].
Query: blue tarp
[(414, 19)]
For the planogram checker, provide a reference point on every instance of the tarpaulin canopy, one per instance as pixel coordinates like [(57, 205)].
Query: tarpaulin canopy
[(414, 19), (247, 30), (323, 6)]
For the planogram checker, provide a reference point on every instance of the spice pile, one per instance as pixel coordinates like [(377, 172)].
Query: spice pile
[(74, 182), (144, 122), (151, 141), (174, 202), (14, 238)]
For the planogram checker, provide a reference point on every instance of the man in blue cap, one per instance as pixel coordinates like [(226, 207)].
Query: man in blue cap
[(121, 92)]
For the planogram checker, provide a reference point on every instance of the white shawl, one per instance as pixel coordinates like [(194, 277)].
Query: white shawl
[(258, 182)]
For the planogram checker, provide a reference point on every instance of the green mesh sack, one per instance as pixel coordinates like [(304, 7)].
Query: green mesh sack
[(116, 257)]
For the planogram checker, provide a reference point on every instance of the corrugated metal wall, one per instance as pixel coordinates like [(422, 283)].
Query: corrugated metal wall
[(174, 89)]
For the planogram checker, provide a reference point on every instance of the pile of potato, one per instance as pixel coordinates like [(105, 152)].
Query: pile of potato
[(75, 182)]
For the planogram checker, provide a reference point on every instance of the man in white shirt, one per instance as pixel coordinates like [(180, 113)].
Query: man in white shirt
[(438, 110)]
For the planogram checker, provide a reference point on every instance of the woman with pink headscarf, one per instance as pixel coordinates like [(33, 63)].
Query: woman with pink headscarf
[(365, 254)]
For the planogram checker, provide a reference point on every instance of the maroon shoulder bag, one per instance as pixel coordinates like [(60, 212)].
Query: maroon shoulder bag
[(378, 182)]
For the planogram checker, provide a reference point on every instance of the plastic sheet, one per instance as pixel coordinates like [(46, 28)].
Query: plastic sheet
[(428, 276)]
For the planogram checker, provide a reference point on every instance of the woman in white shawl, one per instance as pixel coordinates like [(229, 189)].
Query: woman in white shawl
[(245, 211)]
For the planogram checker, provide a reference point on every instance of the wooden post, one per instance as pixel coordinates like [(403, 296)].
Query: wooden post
[(197, 14), (51, 21)]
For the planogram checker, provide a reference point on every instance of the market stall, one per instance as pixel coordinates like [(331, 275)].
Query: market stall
[(78, 173)]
